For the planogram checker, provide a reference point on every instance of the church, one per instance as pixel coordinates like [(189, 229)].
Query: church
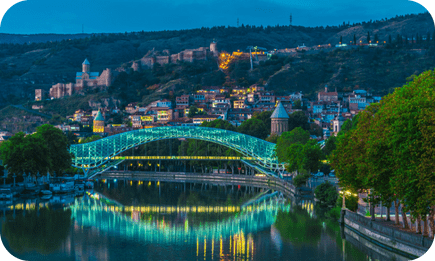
[(84, 80)]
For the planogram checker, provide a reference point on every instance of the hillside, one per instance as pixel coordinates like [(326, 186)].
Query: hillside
[(24, 68)]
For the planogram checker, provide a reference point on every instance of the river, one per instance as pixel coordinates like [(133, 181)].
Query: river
[(149, 220)]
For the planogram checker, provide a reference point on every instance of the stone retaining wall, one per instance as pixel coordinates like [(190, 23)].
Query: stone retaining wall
[(401, 241)]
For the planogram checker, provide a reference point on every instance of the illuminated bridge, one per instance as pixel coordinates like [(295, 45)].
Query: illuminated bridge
[(104, 153)]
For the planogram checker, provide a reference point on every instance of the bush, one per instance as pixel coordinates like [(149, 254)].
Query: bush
[(334, 213), (301, 179), (351, 202), (327, 194)]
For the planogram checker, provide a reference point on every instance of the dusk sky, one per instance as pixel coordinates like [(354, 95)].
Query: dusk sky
[(68, 16)]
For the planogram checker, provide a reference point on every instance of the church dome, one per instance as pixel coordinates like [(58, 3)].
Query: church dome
[(99, 117), (279, 112)]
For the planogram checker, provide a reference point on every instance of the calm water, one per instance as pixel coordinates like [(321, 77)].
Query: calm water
[(173, 221)]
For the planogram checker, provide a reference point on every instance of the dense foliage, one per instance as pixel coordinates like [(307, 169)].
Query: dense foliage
[(391, 150), (300, 153), (47, 150)]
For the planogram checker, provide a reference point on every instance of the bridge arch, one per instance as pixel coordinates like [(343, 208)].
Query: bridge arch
[(94, 154)]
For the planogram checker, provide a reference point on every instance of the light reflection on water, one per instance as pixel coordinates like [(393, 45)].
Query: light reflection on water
[(166, 221)]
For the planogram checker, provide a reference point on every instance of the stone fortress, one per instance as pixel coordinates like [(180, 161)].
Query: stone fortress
[(85, 80), (188, 55)]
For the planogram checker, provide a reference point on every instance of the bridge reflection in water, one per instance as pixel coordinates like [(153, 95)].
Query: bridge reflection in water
[(127, 222), (103, 229)]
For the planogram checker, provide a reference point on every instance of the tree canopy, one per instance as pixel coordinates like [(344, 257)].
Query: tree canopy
[(254, 127), (392, 149), (47, 150)]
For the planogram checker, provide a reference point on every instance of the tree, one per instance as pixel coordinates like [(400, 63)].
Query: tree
[(389, 39), (297, 104), (354, 39), (316, 130), (193, 110), (254, 127), (25, 154), (341, 39), (368, 37), (272, 138), (219, 124), (298, 119), (330, 145), (312, 154), (58, 147), (391, 150), (405, 120), (297, 135), (327, 194), (325, 168), (264, 117), (376, 38), (90, 139), (348, 125)]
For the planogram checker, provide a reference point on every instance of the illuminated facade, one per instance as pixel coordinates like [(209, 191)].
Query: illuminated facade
[(98, 123)]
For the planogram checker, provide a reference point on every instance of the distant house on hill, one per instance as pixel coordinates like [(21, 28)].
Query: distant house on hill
[(327, 96)]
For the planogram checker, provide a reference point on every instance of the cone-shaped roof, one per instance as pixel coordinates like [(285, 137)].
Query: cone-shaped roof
[(99, 116), (279, 112), (86, 62)]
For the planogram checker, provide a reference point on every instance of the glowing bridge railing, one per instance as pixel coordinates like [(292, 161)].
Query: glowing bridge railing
[(94, 154)]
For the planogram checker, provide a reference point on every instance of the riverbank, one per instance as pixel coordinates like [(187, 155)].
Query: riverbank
[(380, 233)]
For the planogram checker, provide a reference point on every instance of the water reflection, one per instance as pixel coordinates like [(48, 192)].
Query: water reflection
[(169, 221), (37, 229)]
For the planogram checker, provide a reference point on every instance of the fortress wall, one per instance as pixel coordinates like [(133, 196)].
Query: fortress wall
[(147, 62), (162, 59)]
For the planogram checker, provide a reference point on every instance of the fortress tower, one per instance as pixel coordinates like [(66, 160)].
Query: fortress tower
[(213, 48), (279, 120), (86, 66)]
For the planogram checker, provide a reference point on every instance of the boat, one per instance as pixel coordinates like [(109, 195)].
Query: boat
[(46, 192), (62, 185), (6, 194), (60, 201), (79, 185), (45, 197)]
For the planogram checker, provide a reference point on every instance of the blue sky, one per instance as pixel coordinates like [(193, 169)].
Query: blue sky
[(68, 16)]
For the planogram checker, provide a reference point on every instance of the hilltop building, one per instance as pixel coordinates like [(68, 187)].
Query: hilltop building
[(327, 96), (98, 123), (188, 55), (279, 119), (84, 80)]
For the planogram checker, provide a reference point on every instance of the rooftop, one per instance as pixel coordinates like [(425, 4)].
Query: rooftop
[(279, 112)]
